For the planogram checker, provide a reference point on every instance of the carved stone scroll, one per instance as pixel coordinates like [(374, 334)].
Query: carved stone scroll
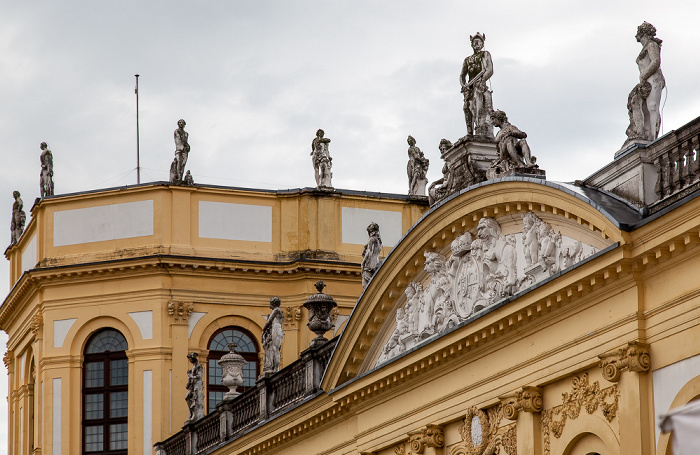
[(529, 399), (430, 436), (633, 357), (180, 312)]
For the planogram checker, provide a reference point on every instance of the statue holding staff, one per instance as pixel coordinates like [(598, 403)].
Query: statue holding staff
[(478, 103)]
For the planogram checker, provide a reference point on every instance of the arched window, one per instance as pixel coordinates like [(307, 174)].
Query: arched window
[(218, 346), (105, 394)]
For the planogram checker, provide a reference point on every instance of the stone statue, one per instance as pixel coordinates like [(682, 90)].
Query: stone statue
[(272, 337), (370, 254), (440, 188), (513, 151), (478, 274), (18, 218), (46, 174), (417, 169), (195, 389), (188, 180), (173, 171), (182, 150), (478, 103), (644, 99), (321, 159)]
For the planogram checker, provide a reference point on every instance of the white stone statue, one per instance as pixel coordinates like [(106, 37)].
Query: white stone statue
[(272, 336), (478, 274), (510, 142), (478, 103), (370, 254), (322, 161), (182, 150), (417, 169), (645, 98), (18, 218), (46, 174), (195, 389)]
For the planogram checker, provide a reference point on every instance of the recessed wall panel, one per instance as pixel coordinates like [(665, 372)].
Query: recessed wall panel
[(356, 220), (228, 221)]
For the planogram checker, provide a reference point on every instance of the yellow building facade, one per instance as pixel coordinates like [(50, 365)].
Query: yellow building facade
[(110, 290)]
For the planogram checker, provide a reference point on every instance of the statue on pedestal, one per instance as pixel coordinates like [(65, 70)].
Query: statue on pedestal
[(478, 103), (195, 389), (513, 152), (321, 160), (182, 150), (370, 254), (46, 174), (18, 218), (644, 99), (272, 335), (417, 169)]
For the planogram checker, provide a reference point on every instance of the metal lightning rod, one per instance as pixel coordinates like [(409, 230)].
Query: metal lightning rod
[(138, 162)]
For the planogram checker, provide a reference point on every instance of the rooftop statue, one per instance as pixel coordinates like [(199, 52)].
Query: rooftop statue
[(321, 159), (417, 169), (188, 180), (370, 254), (46, 174), (478, 103), (18, 218), (644, 99), (272, 335), (513, 152), (182, 150), (195, 389)]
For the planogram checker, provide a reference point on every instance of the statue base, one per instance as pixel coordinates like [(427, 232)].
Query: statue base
[(501, 170), (631, 144)]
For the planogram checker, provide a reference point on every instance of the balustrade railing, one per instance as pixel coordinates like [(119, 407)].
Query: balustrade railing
[(270, 397), (676, 160)]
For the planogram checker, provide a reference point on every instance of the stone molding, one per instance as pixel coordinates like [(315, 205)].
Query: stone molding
[(529, 399), (180, 312), (633, 357), (582, 396), (430, 436), (400, 449)]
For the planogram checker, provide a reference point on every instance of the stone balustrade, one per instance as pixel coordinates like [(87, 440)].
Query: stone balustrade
[(272, 396), (676, 160)]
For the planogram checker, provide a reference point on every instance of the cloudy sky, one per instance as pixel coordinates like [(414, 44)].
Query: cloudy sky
[(255, 80)]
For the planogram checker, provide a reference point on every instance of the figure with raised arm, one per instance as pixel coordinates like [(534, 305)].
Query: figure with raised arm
[(46, 174), (321, 159), (478, 102)]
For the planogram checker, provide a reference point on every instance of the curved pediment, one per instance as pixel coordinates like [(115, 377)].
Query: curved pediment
[(464, 257)]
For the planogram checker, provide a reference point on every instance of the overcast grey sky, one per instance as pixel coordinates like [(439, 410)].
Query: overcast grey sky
[(255, 80)]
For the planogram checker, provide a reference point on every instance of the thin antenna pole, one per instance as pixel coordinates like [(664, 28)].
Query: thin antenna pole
[(138, 162)]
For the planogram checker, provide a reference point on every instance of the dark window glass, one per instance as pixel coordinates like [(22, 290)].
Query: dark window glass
[(218, 347), (105, 394)]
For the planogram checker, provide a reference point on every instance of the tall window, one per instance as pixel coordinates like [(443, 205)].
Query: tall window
[(105, 395), (218, 347)]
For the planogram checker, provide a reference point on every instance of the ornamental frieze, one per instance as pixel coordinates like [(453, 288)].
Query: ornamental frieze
[(483, 269)]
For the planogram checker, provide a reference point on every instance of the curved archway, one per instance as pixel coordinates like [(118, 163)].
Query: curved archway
[(588, 434), (688, 393)]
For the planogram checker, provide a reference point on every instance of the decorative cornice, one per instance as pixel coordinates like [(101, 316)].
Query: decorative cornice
[(633, 357), (529, 399), (430, 436)]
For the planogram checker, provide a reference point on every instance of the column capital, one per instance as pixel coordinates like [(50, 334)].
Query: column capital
[(528, 399), (633, 357), (430, 436)]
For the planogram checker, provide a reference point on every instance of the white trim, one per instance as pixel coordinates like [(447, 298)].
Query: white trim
[(144, 321), (60, 330)]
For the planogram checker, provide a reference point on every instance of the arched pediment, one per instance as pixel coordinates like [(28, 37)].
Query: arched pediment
[(475, 251)]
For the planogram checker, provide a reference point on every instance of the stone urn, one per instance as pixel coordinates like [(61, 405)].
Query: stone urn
[(320, 306), (232, 374)]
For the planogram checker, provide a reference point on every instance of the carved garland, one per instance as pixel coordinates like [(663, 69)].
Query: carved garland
[(583, 395)]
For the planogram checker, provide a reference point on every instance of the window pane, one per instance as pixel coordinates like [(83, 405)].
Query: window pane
[(94, 374), (118, 404), (120, 372), (94, 406), (94, 437), (107, 340), (214, 399), (118, 436), (249, 373), (215, 372), (222, 339)]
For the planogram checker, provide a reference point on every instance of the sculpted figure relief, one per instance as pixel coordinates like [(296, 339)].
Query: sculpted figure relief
[(18, 218), (417, 169), (478, 102), (195, 389), (322, 161), (644, 99), (46, 174), (370, 254), (272, 336), (481, 270), (182, 150)]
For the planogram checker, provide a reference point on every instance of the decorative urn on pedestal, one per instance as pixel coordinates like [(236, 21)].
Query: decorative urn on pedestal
[(232, 374), (320, 306)]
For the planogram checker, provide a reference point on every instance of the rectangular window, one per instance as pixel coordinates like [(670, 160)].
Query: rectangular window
[(120, 372), (118, 404), (214, 399), (94, 439), (118, 436), (94, 374), (94, 406), (215, 372)]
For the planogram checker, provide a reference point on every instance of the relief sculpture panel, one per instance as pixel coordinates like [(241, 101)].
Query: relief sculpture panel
[(481, 270)]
